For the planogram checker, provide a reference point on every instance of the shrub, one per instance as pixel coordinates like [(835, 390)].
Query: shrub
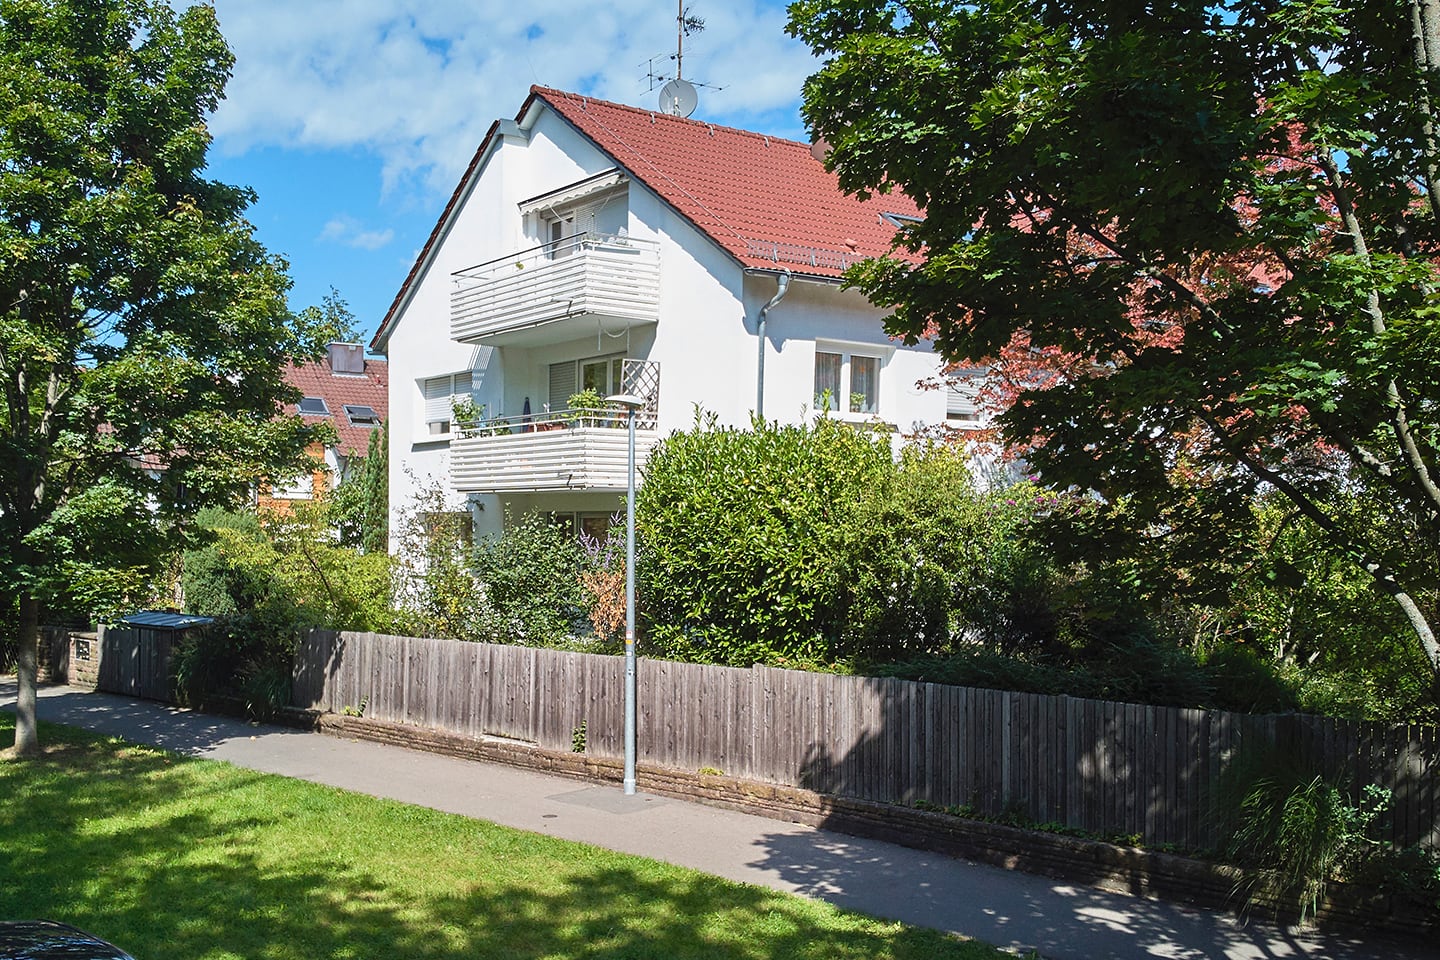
[(531, 582), (290, 566), (743, 539), (248, 656), (1293, 829)]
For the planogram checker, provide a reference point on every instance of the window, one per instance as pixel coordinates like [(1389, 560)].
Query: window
[(899, 220), (441, 395), (848, 382), (314, 407), (961, 405), (596, 204), (604, 375), (362, 416), (296, 488), (596, 526)]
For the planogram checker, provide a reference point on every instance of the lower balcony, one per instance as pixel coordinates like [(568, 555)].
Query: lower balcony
[(574, 450)]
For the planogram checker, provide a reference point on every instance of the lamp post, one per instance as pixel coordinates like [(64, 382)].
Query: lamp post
[(632, 404)]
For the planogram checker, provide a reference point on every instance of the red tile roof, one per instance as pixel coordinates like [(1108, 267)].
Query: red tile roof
[(368, 389), (766, 201)]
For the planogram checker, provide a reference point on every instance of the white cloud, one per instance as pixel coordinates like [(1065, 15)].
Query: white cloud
[(418, 85), (350, 232)]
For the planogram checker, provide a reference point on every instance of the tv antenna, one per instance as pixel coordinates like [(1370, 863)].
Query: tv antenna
[(678, 96)]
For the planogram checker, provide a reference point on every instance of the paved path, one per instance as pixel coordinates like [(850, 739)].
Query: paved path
[(1007, 908)]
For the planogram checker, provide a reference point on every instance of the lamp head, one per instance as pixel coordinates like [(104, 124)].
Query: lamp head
[(627, 400)]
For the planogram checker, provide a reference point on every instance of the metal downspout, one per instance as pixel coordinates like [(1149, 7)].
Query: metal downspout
[(782, 286)]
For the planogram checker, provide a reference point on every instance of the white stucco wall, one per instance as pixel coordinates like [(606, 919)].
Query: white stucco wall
[(705, 340)]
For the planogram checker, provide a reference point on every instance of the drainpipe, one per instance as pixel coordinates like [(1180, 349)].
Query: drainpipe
[(782, 286)]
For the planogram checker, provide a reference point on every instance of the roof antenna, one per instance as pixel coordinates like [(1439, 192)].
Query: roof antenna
[(678, 97)]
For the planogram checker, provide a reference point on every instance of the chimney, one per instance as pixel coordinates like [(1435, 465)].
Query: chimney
[(346, 358)]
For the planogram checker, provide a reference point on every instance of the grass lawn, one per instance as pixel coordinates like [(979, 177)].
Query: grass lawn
[(177, 858)]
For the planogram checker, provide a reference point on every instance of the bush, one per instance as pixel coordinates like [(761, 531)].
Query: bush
[(812, 545), (248, 656), (743, 539), (290, 567), (531, 582), (1294, 830)]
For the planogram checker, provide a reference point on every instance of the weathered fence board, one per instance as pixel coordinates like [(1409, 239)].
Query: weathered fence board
[(1095, 765)]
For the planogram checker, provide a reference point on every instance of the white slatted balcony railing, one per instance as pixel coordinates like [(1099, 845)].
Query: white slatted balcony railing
[(580, 453), (557, 292)]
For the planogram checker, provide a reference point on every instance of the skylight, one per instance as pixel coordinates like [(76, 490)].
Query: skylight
[(362, 416), (314, 407), (898, 220)]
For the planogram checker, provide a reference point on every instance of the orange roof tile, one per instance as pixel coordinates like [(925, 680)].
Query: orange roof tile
[(766, 201), (368, 389)]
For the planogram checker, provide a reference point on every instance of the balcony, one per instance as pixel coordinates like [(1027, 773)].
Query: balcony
[(559, 291), (573, 450), (577, 449)]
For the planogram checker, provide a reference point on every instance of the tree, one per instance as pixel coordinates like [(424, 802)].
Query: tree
[(1223, 214), (142, 327), (360, 506)]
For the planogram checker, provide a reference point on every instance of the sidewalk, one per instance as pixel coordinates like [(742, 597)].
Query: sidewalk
[(1005, 908)]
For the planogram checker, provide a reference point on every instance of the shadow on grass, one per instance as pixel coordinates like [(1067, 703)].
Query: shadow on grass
[(176, 858)]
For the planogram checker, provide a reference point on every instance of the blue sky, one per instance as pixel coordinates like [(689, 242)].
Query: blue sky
[(353, 119)]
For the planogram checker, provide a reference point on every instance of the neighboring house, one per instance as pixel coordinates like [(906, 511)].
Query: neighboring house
[(346, 391), (600, 246)]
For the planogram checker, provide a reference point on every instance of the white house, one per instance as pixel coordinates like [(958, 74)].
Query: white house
[(595, 245)]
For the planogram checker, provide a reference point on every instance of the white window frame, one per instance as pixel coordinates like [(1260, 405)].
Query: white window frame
[(438, 392), (614, 365), (848, 353), (300, 487), (962, 403)]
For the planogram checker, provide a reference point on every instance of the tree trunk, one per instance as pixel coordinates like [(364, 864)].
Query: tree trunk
[(27, 736)]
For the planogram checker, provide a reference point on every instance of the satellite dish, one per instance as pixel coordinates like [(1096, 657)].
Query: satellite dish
[(678, 98)]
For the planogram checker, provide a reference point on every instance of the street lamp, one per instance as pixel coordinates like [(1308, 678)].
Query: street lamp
[(632, 404)]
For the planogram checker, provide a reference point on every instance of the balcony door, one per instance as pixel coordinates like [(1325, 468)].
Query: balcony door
[(604, 375), (563, 229)]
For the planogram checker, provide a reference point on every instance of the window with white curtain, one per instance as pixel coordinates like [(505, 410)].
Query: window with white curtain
[(847, 380)]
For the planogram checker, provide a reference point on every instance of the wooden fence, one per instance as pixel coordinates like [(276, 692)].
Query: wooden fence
[(1094, 765)]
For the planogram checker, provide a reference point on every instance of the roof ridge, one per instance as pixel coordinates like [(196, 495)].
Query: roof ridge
[(656, 114), (645, 159)]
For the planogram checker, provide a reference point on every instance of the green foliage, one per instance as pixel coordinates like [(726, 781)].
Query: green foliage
[(288, 566), (1294, 830), (332, 320), (359, 508), (741, 539), (435, 589), (1146, 671), (248, 656), (812, 545), (1212, 226), (141, 325), (143, 328), (530, 577)]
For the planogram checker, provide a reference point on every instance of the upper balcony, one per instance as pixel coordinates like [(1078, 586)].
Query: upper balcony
[(558, 291)]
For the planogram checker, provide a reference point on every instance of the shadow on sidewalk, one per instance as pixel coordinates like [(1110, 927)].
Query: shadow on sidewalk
[(1026, 912), (143, 721)]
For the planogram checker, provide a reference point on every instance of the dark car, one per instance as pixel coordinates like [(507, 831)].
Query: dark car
[(48, 940)]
